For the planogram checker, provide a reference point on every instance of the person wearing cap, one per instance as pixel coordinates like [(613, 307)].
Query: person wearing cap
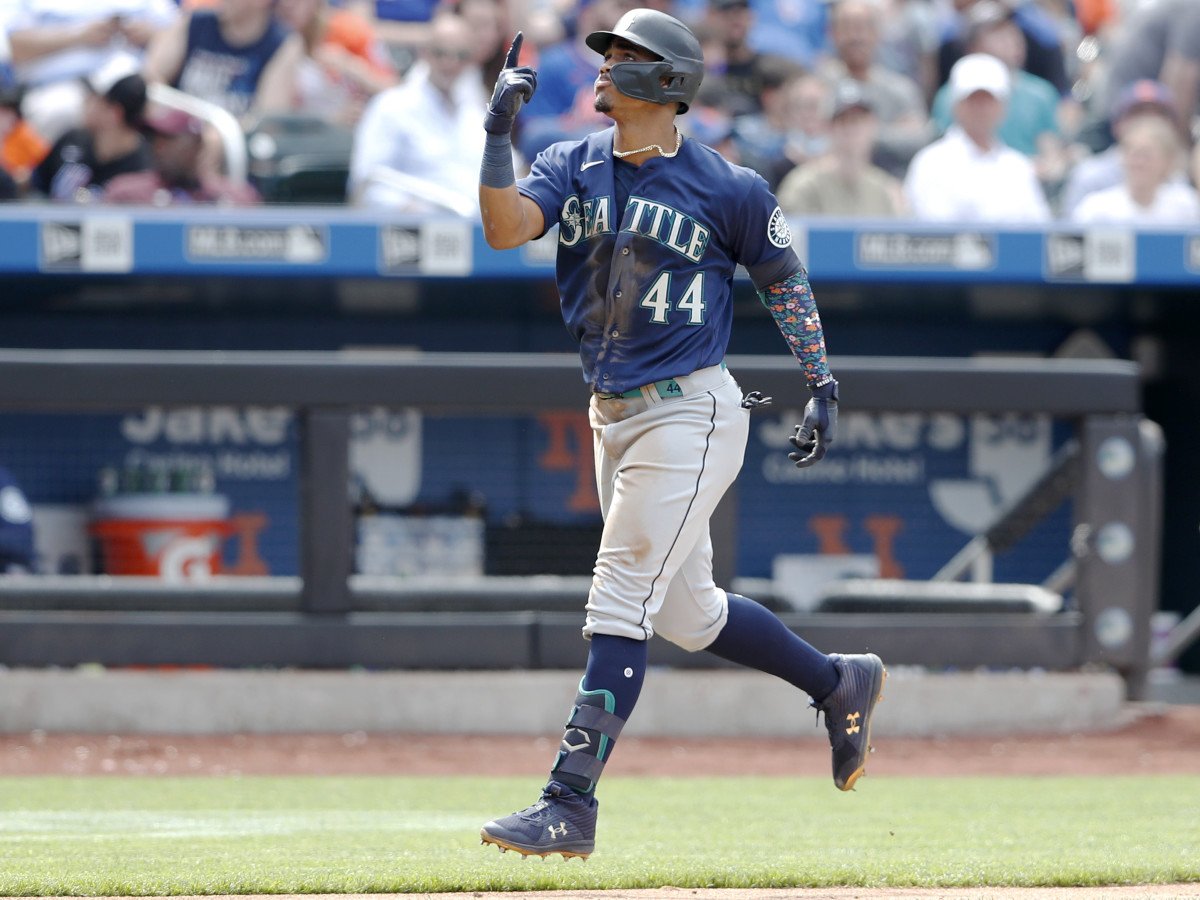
[(110, 143), (177, 141), (1151, 153), (1159, 42), (55, 43), (897, 101), (1145, 99), (844, 182), (970, 174), (1031, 119)]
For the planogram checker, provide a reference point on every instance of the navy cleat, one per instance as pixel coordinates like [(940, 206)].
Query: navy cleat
[(561, 822), (848, 714)]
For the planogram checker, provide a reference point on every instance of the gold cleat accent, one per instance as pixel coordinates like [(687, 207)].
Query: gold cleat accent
[(504, 848)]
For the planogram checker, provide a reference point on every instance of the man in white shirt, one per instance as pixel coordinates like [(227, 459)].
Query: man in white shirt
[(970, 175), (418, 145)]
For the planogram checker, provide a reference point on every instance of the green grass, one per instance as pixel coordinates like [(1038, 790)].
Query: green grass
[(124, 836)]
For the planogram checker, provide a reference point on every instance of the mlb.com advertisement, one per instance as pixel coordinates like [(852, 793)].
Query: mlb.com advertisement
[(897, 496)]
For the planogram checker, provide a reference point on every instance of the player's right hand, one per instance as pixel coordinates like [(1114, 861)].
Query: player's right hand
[(514, 87), (819, 428)]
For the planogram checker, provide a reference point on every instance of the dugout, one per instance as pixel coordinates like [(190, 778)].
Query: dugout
[(335, 304)]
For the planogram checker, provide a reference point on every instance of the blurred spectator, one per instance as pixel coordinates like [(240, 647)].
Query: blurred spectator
[(1030, 124), (8, 187), (110, 143), (795, 29), (970, 175), (1096, 16), (1044, 53), (897, 100), (1151, 153), (1104, 170), (422, 140), (176, 141), (792, 128), (844, 182), (1159, 42), (489, 25), (344, 64), (401, 24), (21, 148), (908, 42), (563, 105), (55, 43), (808, 105), (238, 56), (710, 125), (738, 71), (16, 527)]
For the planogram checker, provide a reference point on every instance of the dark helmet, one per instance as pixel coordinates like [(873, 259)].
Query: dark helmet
[(681, 61)]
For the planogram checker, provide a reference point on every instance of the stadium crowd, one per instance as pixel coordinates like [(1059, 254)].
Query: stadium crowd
[(999, 111)]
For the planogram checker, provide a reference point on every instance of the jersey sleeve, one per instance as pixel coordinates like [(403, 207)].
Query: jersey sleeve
[(762, 241), (546, 184)]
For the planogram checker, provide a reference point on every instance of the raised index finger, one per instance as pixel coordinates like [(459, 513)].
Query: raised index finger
[(514, 51)]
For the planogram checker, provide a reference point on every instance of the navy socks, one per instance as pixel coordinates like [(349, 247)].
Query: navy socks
[(616, 665), (754, 636), (607, 694)]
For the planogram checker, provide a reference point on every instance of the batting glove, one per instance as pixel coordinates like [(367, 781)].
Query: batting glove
[(514, 87), (819, 429)]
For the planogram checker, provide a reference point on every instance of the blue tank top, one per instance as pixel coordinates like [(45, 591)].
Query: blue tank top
[(215, 70)]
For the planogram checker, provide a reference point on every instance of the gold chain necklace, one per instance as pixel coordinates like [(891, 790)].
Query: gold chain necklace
[(664, 154)]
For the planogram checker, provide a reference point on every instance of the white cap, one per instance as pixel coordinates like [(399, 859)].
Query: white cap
[(978, 72), (117, 67)]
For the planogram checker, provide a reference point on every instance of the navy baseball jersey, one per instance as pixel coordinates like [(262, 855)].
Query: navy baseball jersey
[(646, 254)]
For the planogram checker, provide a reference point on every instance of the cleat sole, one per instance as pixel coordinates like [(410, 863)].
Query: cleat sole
[(505, 846), (862, 770)]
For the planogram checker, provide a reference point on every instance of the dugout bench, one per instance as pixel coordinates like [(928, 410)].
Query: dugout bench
[(327, 618)]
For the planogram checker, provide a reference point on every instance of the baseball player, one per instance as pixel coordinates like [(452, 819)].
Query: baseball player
[(651, 226)]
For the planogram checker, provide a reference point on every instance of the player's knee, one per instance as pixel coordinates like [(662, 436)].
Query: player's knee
[(691, 640)]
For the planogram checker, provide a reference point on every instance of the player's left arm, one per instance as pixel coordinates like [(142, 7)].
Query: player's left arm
[(791, 304)]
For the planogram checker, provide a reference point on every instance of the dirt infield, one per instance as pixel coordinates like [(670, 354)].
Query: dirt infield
[(1159, 740)]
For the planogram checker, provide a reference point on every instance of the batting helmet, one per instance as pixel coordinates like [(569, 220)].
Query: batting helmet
[(674, 77)]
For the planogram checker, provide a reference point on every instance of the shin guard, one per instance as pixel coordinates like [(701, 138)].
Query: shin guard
[(590, 733)]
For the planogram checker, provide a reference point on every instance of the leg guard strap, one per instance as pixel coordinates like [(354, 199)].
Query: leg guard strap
[(583, 765), (597, 719)]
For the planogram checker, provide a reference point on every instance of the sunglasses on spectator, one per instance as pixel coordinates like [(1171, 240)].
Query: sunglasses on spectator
[(445, 53)]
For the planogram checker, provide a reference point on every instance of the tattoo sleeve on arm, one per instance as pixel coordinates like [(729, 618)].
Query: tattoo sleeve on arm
[(794, 310)]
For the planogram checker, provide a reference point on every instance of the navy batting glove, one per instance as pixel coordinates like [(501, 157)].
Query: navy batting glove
[(819, 429), (514, 87)]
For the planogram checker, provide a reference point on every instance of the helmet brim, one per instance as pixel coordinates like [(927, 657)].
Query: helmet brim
[(600, 41)]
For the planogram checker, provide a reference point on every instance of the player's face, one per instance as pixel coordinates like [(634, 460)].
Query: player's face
[(608, 98)]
